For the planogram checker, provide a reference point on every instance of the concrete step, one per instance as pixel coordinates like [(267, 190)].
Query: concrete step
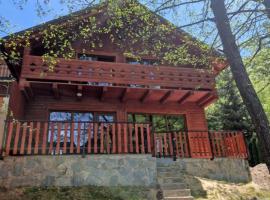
[(173, 186), (177, 179), (179, 198), (177, 193)]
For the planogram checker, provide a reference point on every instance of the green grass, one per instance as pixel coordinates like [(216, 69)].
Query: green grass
[(75, 193)]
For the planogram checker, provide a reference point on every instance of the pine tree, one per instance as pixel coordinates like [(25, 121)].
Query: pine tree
[(229, 113)]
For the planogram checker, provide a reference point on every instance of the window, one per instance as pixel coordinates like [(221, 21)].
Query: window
[(142, 61), (66, 120), (92, 57), (161, 123)]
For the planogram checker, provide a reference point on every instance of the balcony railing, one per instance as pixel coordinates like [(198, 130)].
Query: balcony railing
[(118, 74), (4, 72), (60, 138)]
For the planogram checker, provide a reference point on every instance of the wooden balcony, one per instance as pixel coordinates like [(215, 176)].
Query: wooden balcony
[(61, 138), (107, 80), (118, 74)]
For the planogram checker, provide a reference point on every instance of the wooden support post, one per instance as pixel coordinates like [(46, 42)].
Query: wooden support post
[(55, 90), (22, 88), (103, 92), (79, 93), (124, 95)]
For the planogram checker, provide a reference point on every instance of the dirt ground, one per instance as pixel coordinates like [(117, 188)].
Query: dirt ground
[(258, 189)]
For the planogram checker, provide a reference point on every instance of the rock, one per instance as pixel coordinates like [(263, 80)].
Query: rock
[(260, 176)]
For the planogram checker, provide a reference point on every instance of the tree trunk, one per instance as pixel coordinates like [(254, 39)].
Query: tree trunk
[(242, 80)]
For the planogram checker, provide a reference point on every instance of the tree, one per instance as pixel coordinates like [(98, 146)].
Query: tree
[(229, 113), (242, 80)]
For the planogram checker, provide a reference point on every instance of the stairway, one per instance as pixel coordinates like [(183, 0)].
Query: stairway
[(171, 183)]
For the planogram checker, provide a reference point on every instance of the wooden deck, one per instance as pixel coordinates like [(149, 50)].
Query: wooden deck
[(60, 138)]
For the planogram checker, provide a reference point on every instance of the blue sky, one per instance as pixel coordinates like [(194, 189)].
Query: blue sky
[(21, 19)]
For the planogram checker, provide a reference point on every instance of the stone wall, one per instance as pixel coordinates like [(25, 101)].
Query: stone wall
[(111, 170), (73, 170), (224, 169)]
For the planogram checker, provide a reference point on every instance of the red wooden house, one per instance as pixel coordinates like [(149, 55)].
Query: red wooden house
[(101, 101)]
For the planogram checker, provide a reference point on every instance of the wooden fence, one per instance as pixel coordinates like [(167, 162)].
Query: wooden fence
[(59, 138)]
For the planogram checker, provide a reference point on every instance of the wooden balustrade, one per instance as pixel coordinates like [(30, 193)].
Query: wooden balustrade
[(115, 74), (200, 144), (4, 72), (59, 138), (228, 144)]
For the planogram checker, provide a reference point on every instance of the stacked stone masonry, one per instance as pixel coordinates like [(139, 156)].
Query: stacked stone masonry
[(111, 170)]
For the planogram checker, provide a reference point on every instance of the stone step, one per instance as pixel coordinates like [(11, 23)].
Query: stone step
[(172, 186), (170, 174), (179, 198), (177, 193), (178, 179)]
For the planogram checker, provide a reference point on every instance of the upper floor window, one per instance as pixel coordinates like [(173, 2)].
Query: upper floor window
[(142, 61), (92, 57)]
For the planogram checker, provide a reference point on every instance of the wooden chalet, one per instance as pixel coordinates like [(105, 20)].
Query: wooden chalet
[(103, 102)]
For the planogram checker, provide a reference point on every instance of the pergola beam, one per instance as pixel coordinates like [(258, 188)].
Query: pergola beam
[(185, 97), (146, 96), (166, 96), (204, 98)]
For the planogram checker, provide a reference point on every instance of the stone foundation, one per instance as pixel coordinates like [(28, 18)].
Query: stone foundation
[(73, 170), (223, 169), (111, 170)]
